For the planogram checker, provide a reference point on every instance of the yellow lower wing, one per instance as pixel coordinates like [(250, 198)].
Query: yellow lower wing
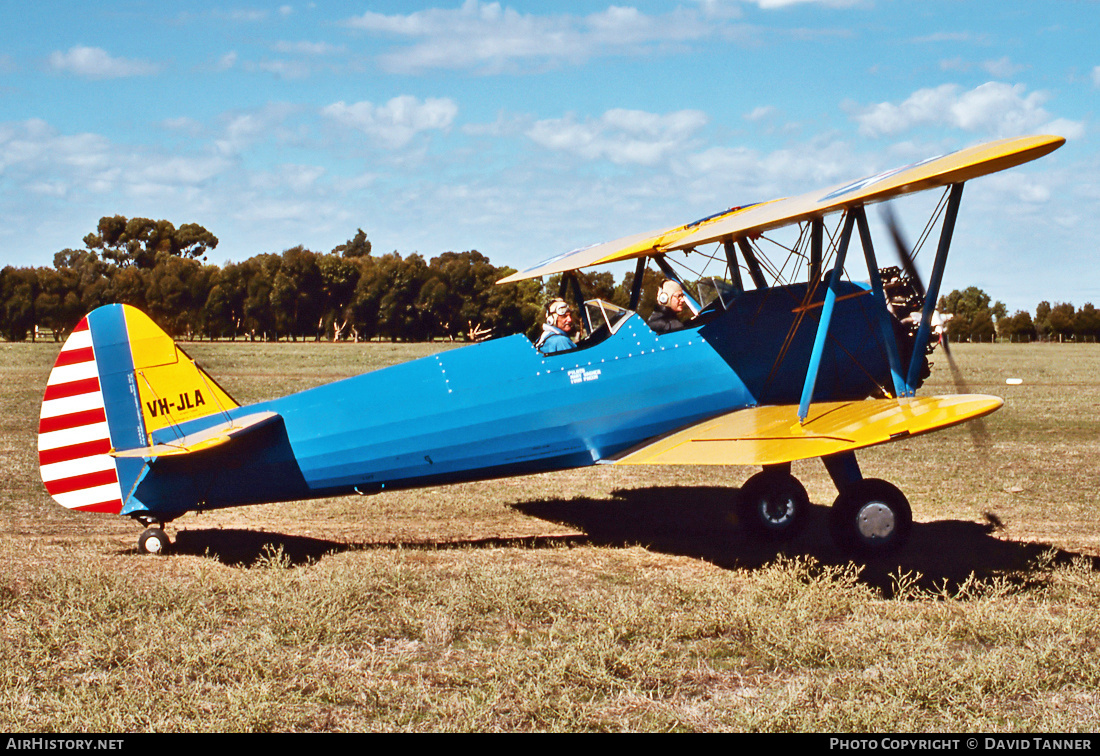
[(772, 435)]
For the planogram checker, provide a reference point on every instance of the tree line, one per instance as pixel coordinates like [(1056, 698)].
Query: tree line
[(974, 317), (349, 293)]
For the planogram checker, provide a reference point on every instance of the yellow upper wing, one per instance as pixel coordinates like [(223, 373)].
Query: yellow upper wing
[(754, 219), (772, 435), (941, 171), (626, 248)]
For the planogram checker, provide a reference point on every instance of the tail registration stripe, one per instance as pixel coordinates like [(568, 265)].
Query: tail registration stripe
[(76, 467), (70, 373), (62, 390), (72, 404), (73, 451), (64, 422), (73, 436), (106, 498), (82, 482)]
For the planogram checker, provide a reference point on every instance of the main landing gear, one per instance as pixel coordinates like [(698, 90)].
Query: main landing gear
[(870, 518), (773, 504), (153, 539)]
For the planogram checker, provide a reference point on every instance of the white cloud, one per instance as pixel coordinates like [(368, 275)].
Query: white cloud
[(308, 48), (35, 153), (1096, 76), (956, 64), (184, 171), (240, 16), (621, 136), (505, 125), (227, 61), (993, 109), (285, 69), (772, 4), (1002, 68), (760, 113), (748, 175), (721, 8), (243, 129), (396, 123), (306, 63), (182, 124), (945, 37), (97, 63), (297, 178), (490, 37)]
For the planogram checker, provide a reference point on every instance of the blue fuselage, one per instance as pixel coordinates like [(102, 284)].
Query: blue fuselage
[(501, 408)]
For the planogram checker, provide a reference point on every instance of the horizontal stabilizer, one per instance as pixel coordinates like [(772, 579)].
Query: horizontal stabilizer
[(202, 440), (773, 435)]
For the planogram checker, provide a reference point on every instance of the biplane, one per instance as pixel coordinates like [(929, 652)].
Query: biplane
[(766, 372)]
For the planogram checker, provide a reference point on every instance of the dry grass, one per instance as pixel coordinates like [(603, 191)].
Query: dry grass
[(586, 600)]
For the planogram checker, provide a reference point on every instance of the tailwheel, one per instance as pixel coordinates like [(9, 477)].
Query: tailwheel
[(872, 518), (154, 541), (773, 505)]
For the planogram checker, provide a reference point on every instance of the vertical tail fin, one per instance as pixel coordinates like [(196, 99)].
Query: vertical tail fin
[(118, 380)]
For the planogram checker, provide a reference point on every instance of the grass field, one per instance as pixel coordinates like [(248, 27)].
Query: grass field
[(590, 600)]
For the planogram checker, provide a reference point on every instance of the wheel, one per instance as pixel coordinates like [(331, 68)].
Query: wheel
[(154, 541), (773, 505), (872, 518)]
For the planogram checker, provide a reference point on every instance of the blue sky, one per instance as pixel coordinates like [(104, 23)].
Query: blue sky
[(525, 129)]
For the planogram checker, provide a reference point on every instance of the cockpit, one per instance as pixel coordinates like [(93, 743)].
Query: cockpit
[(706, 299)]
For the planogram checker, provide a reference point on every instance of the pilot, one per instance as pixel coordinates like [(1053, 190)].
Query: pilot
[(556, 329), (670, 303)]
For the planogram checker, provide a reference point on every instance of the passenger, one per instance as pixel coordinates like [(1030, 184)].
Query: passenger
[(670, 303), (556, 329)]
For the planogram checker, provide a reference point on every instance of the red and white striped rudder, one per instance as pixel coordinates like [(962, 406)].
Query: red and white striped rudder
[(73, 437)]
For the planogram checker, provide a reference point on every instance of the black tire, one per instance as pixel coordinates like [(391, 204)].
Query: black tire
[(154, 541), (773, 505), (872, 519)]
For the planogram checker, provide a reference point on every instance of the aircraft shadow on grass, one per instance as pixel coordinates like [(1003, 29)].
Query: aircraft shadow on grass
[(695, 522)]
